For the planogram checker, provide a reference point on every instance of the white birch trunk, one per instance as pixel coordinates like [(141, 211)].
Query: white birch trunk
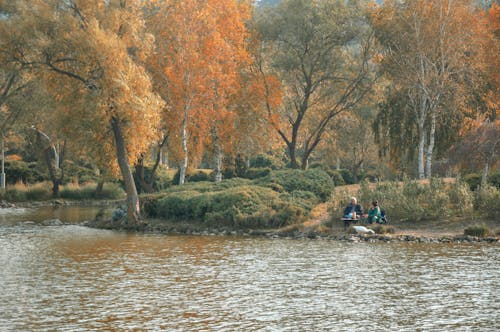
[(430, 147), (421, 145), (218, 156), (184, 163)]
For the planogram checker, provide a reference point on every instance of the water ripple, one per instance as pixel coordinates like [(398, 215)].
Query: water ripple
[(72, 278)]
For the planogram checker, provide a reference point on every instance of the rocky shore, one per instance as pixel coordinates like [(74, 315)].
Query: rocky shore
[(6, 205), (201, 230)]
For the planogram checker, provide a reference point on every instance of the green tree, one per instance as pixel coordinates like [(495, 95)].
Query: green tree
[(96, 46), (320, 51)]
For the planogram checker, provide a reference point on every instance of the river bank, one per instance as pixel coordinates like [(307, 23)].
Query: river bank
[(299, 231), (320, 225)]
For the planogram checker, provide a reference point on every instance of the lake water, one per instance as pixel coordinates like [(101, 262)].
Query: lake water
[(72, 278)]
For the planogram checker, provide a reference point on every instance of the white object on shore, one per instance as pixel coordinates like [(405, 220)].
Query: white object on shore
[(363, 230)]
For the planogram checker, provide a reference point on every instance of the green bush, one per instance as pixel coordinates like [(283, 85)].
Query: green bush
[(487, 200), (198, 177), (242, 206), (337, 178), (461, 197), (255, 173), (235, 202), (266, 161), (26, 172), (494, 179), (473, 180), (303, 199), (347, 176), (192, 175), (477, 230), (315, 180)]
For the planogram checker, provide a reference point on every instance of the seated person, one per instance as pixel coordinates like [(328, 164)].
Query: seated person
[(374, 214), (352, 208)]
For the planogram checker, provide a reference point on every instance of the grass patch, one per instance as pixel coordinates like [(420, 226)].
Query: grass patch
[(383, 229), (88, 191), (21, 192), (416, 201), (480, 230)]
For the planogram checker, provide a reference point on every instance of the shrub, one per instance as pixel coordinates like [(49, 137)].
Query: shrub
[(494, 179), (383, 229), (255, 173), (477, 230), (198, 177), (266, 161), (487, 200), (461, 197), (240, 206), (473, 180), (163, 179), (26, 172), (176, 206), (337, 178), (192, 175), (303, 199), (347, 176), (315, 180)]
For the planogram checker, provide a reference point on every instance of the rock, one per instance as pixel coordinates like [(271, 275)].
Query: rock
[(354, 239), (29, 222), (52, 222), (6, 205)]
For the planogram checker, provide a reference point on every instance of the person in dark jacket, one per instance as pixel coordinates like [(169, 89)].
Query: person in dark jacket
[(353, 207)]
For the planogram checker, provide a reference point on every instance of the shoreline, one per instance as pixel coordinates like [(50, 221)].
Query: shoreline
[(320, 227), (154, 226)]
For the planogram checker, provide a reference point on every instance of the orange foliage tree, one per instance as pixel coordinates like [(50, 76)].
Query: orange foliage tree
[(434, 58), (98, 45), (200, 55)]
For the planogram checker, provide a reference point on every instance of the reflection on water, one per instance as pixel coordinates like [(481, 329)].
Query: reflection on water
[(72, 278), (67, 214)]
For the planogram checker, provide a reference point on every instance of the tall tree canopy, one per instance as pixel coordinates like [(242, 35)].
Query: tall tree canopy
[(433, 57), (202, 49), (320, 51), (98, 46)]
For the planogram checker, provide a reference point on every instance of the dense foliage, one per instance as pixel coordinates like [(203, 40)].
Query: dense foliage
[(100, 91), (284, 197), (411, 201)]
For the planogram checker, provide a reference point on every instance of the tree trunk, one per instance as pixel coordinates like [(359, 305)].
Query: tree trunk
[(52, 172), (99, 188), (484, 177), (292, 150), (218, 161), (430, 147), (143, 184), (47, 157), (133, 207), (218, 155), (421, 144), (184, 163)]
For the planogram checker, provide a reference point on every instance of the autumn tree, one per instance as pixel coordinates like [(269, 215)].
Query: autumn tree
[(202, 50), (479, 148), (320, 51), (432, 56), (96, 45)]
